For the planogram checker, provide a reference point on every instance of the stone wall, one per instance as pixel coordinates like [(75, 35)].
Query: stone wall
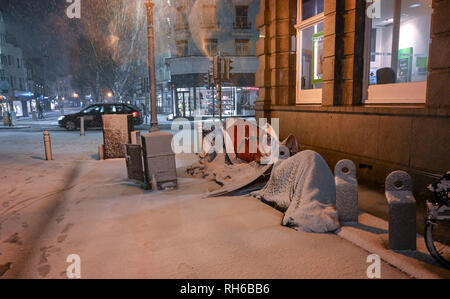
[(414, 138)]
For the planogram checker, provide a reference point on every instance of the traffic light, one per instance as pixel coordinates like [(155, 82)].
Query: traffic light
[(205, 79), (217, 68), (208, 79), (228, 68)]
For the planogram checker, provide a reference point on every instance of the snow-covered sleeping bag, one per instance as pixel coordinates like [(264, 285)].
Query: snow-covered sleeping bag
[(303, 187)]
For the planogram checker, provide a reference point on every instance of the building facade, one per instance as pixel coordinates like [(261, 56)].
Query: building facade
[(200, 30), (13, 74), (360, 80)]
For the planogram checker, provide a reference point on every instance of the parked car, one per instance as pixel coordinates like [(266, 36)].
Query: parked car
[(93, 115)]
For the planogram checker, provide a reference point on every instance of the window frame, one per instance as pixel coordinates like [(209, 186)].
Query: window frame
[(242, 20), (305, 96), (406, 93), (210, 44), (242, 47)]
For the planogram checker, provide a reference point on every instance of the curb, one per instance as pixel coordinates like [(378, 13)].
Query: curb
[(371, 234), (14, 127)]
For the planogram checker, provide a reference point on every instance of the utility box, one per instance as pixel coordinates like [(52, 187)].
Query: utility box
[(159, 160), (133, 159), (117, 130)]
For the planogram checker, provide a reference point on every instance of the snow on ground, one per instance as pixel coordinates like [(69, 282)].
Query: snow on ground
[(371, 233), (76, 204)]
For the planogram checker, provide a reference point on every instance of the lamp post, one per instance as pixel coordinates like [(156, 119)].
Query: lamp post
[(151, 65)]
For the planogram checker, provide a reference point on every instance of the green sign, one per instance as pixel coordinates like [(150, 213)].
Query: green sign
[(405, 59), (317, 74)]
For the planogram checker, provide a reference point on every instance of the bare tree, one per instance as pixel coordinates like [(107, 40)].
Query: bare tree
[(110, 52)]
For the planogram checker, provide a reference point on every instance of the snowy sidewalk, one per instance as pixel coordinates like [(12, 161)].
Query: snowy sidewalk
[(76, 204), (122, 231), (371, 234)]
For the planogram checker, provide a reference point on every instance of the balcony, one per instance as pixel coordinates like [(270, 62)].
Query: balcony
[(181, 27), (210, 25), (242, 23)]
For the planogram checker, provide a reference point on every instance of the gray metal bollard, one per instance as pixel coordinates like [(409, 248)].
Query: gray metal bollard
[(346, 191), (101, 152), (82, 126), (199, 131), (402, 211), (48, 146), (136, 138)]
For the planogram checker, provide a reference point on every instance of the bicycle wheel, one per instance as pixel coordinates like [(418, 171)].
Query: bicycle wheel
[(437, 239)]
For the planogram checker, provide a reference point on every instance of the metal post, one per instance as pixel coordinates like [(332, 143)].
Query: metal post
[(151, 65), (219, 95), (213, 102), (48, 146), (82, 126), (101, 152)]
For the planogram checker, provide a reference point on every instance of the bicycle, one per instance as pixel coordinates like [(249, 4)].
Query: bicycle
[(437, 221)]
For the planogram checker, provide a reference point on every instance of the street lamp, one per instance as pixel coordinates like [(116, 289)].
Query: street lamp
[(151, 64), (159, 158)]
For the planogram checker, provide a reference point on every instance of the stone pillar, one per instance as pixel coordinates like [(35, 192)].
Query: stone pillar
[(438, 88), (332, 53), (282, 35), (276, 53), (344, 28), (402, 211), (346, 191), (262, 51), (117, 130)]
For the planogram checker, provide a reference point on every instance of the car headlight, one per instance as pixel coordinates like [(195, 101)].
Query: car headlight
[(61, 117)]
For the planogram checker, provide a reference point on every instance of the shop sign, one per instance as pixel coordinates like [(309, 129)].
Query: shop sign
[(317, 58), (405, 57)]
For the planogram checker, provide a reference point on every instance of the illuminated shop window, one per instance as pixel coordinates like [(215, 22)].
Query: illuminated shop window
[(310, 51), (397, 45)]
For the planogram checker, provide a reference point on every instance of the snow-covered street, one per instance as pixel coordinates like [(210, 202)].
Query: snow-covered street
[(79, 205)]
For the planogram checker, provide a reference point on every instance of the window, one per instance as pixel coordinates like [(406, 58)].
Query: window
[(182, 48), (18, 63), (242, 47), (208, 19), (310, 51), (210, 46), (242, 18), (91, 110), (396, 59), (181, 23)]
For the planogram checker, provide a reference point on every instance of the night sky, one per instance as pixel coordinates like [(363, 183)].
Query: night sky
[(42, 29)]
